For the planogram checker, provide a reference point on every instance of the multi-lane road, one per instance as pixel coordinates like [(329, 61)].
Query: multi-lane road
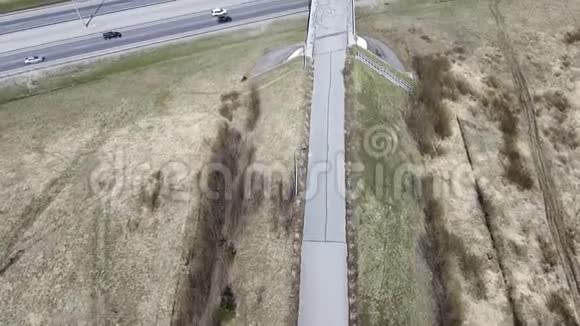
[(13, 61), (86, 12)]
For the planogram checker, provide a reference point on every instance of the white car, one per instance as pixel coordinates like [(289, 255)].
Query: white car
[(219, 12), (33, 59)]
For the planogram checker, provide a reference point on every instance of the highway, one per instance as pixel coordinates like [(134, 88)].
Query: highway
[(10, 25), (252, 11)]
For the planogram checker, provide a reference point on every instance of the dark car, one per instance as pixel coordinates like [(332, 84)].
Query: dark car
[(224, 19), (110, 35)]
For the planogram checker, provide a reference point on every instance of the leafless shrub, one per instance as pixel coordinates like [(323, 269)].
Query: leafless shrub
[(432, 71), (428, 112), (283, 202), (463, 86), (260, 294), (561, 133), (232, 96), (572, 235), (503, 109), (441, 250), (472, 266), (226, 112), (566, 61), (211, 219), (440, 256), (226, 310), (256, 189), (558, 100), (492, 82), (517, 171), (565, 136), (518, 249), (230, 251), (561, 306), (219, 219), (443, 121), (572, 37), (484, 101), (422, 128), (151, 190), (459, 49), (253, 108), (229, 103), (549, 252)]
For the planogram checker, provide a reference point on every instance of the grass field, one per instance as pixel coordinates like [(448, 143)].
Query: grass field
[(393, 280), (101, 207), (498, 82), (14, 5)]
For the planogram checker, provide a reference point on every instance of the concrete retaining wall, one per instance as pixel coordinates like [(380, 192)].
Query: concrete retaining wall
[(309, 46), (350, 28)]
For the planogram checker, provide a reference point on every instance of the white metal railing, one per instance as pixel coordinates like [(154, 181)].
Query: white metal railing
[(396, 80)]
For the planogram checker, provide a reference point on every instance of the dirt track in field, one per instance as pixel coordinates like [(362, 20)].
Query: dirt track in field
[(555, 212)]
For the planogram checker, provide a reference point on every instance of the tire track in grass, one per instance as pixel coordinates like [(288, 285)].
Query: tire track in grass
[(15, 245), (555, 213)]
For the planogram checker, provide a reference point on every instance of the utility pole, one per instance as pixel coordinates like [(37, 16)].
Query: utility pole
[(78, 13)]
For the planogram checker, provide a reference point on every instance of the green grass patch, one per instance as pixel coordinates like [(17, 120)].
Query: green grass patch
[(14, 5), (386, 213), (386, 65)]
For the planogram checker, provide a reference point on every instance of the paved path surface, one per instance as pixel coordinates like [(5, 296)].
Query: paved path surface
[(274, 58), (14, 23), (323, 278), (384, 52), (13, 60)]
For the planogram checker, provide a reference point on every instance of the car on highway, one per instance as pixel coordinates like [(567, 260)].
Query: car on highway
[(224, 19), (111, 34), (219, 12), (33, 59)]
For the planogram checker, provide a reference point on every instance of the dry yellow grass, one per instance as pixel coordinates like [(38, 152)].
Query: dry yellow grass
[(81, 242), (499, 211)]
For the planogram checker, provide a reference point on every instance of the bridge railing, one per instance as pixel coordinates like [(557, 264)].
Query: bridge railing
[(396, 80)]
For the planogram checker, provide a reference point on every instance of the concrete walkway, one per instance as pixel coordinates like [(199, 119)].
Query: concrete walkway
[(323, 277)]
